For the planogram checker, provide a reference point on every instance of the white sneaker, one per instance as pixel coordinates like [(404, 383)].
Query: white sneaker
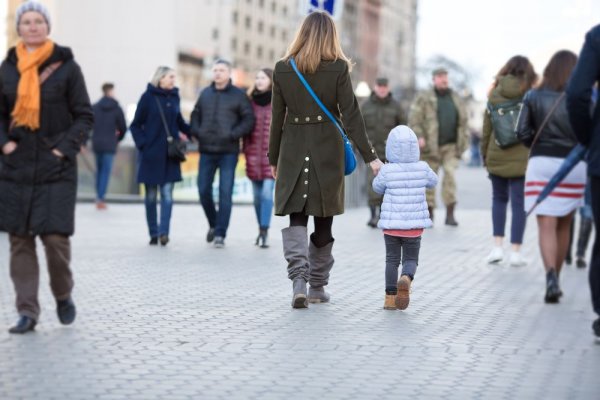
[(495, 256), (516, 259)]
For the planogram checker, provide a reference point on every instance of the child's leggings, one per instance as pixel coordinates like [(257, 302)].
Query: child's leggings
[(400, 249)]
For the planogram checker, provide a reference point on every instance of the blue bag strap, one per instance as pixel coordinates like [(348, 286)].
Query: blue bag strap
[(316, 98)]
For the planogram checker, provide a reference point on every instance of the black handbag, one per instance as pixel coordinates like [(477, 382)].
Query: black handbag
[(175, 147)]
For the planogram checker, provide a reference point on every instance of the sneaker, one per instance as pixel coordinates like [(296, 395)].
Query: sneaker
[(219, 242), (596, 328), (495, 256), (153, 241), (580, 262), (516, 259)]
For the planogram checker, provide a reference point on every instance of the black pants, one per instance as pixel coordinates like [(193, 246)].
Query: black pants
[(322, 234), (595, 263), (397, 250)]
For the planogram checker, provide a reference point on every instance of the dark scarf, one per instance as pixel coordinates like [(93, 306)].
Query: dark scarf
[(261, 98)]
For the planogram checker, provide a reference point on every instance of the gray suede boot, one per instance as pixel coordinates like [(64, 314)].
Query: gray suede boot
[(321, 262), (295, 251)]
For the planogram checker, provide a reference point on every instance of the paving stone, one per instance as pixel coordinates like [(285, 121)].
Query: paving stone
[(189, 321)]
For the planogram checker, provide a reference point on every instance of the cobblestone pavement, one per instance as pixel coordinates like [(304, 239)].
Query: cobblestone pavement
[(189, 321)]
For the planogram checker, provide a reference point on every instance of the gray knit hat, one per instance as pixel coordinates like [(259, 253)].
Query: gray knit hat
[(32, 6)]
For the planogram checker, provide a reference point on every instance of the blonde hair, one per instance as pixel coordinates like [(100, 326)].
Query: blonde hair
[(317, 40), (159, 74)]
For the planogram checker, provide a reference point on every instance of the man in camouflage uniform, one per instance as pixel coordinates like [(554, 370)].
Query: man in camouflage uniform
[(439, 119), (381, 114)]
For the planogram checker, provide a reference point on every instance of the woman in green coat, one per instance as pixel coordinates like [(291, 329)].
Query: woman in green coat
[(306, 151), (507, 166)]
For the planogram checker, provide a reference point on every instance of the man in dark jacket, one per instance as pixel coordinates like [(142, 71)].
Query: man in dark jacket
[(381, 113), (222, 116), (587, 129), (109, 129)]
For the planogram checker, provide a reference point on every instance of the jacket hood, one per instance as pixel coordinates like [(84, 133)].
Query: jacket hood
[(402, 145), (509, 87), (156, 90), (107, 103)]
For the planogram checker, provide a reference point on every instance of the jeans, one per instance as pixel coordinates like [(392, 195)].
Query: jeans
[(209, 163), (104, 163), (595, 262), (400, 249), (502, 189), (166, 206), (263, 201), (475, 151)]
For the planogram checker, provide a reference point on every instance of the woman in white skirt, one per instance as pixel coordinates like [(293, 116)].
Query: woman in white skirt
[(548, 150)]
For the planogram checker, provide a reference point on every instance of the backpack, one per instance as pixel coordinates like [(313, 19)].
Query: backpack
[(504, 122)]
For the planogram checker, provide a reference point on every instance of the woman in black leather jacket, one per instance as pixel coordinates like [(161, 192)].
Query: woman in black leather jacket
[(547, 152)]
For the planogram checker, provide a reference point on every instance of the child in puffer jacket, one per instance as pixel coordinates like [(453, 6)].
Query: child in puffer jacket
[(404, 213)]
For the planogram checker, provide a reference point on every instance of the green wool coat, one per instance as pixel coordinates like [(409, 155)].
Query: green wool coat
[(305, 146), (510, 162)]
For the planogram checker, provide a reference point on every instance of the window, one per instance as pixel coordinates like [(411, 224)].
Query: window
[(284, 36), (234, 44), (261, 3), (259, 52), (215, 33), (271, 55), (246, 48), (284, 11), (261, 27), (234, 17), (248, 22), (274, 7), (272, 31)]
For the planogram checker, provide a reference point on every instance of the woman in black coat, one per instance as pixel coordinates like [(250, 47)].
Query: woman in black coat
[(156, 170), (45, 114)]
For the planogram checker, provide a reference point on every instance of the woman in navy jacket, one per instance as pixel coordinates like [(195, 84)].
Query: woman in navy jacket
[(156, 170)]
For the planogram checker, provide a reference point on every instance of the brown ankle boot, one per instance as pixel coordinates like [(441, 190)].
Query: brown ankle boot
[(450, 215), (390, 302), (403, 297), (430, 209)]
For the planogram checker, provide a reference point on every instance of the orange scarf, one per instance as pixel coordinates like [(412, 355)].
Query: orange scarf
[(27, 107)]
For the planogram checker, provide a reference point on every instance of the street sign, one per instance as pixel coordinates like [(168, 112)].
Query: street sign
[(333, 7)]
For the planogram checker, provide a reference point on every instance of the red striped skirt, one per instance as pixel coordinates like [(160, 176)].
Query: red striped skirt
[(566, 197)]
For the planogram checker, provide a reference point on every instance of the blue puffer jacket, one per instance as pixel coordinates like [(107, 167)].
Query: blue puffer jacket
[(402, 181)]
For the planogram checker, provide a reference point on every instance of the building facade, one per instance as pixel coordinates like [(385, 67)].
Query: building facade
[(125, 41)]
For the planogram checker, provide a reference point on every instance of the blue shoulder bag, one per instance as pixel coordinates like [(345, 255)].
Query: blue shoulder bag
[(349, 158)]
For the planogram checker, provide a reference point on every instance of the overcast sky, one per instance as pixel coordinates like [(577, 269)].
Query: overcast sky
[(483, 35)]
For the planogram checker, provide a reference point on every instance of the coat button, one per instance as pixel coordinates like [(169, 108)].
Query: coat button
[(305, 196), (307, 119), (305, 169), (295, 119), (319, 117), (306, 182), (306, 158)]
